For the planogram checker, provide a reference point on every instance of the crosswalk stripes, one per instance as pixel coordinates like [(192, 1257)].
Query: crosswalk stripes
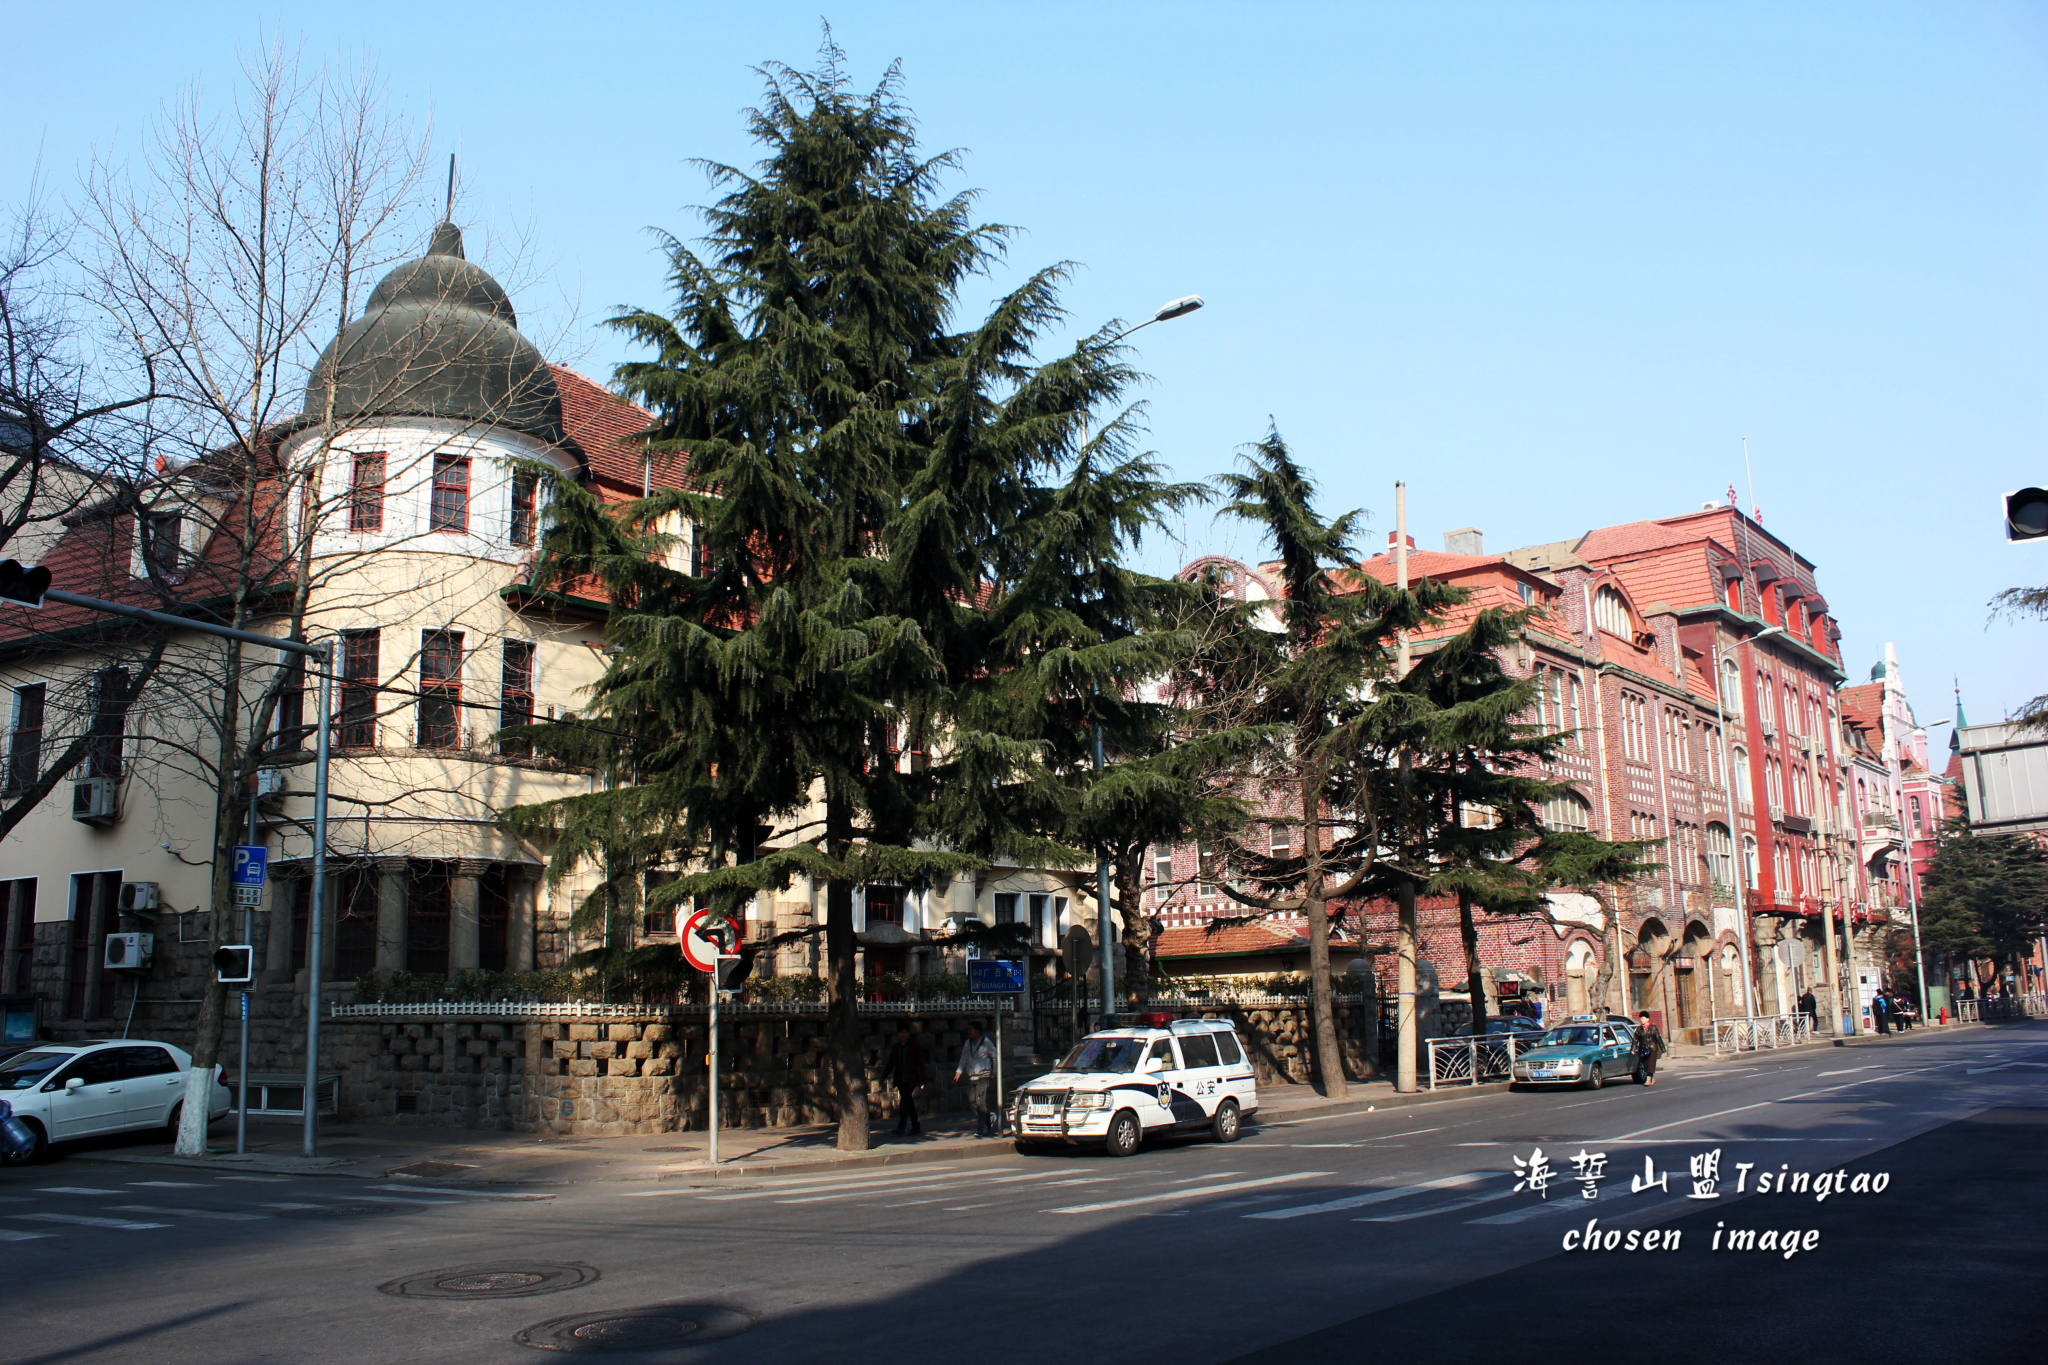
[(87, 1221), (1359, 1201), (1191, 1191), (214, 1215), (11, 1235), (1454, 1206)]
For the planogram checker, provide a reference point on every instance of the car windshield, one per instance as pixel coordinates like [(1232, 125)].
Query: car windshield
[(29, 1068), (1105, 1054), (1582, 1036)]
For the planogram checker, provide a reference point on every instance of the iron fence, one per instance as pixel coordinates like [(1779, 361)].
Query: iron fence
[(530, 1010), (1999, 1009), (1472, 1060), (1754, 1032)]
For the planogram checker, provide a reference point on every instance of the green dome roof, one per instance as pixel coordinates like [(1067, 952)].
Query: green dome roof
[(439, 338)]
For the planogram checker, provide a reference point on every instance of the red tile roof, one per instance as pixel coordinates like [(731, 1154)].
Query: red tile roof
[(1491, 579), (609, 428), (1863, 706), (1235, 940)]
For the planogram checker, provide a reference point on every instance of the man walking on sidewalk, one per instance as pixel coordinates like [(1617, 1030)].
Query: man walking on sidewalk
[(906, 1070), (1810, 1007), (978, 1068)]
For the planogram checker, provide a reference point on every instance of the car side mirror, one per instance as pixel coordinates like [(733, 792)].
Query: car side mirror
[(74, 1085)]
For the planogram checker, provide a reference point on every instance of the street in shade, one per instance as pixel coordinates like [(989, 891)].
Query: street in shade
[(1858, 1200)]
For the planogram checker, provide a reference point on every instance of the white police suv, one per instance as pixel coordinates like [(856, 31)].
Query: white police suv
[(1122, 1085)]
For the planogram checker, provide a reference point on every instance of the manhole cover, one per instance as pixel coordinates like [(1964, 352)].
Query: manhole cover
[(432, 1168), (637, 1329), (512, 1280)]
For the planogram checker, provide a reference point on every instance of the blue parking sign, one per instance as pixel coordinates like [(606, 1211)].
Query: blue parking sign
[(252, 863)]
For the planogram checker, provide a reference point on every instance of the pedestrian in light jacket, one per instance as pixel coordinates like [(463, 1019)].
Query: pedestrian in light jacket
[(978, 1069)]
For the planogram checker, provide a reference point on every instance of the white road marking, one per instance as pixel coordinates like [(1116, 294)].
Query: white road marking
[(833, 1187), (83, 1221), (965, 1178), (71, 1189), (1359, 1201), (764, 1188), (2002, 1066), (10, 1235), (1847, 1071), (1539, 1210), (962, 1208), (1085, 1180), (217, 1216), (471, 1194), (1762, 1104), (1471, 1201), (167, 1184), (1194, 1192), (293, 1206), (261, 1179), (395, 1199), (1189, 1180)]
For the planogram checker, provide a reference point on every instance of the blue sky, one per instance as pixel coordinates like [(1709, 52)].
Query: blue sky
[(1550, 263)]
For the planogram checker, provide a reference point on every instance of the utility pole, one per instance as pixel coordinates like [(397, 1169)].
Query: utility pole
[(1405, 1043)]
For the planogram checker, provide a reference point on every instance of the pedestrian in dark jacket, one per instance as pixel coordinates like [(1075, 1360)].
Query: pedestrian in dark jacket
[(1881, 1008), (1649, 1047), (1810, 1007), (906, 1070)]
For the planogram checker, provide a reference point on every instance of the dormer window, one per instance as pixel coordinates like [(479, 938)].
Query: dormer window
[(450, 508), (163, 541), (1610, 612)]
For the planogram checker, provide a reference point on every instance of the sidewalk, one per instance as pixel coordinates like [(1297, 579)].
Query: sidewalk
[(1701, 1052), (381, 1151)]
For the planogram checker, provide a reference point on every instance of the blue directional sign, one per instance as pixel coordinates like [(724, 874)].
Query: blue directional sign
[(252, 864), (995, 976)]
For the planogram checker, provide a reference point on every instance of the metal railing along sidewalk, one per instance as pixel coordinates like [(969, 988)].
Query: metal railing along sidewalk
[(1750, 1033), (1999, 1009), (1471, 1060)]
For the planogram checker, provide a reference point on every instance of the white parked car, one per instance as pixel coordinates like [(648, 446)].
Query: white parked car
[(65, 1091), (1122, 1085)]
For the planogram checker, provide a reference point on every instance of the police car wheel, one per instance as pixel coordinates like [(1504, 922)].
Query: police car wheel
[(36, 1152), (1224, 1127), (1124, 1134), (1597, 1079)]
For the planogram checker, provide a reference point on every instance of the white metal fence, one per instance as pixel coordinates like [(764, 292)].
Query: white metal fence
[(1750, 1033), (529, 1010), (1999, 1009), (1470, 1060)]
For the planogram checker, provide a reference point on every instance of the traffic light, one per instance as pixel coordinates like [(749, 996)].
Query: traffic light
[(23, 586), (234, 964), (2026, 514)]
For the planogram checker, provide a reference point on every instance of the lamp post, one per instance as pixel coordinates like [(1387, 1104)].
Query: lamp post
[(1166, 312), (1728, 795)]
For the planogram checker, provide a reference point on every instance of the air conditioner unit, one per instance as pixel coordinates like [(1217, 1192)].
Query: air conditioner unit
[(96, 801), (270, 782), (130, 952), (137, 896), (1769, 730)]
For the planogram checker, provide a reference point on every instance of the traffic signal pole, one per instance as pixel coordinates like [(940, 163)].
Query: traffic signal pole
[(29, 588)]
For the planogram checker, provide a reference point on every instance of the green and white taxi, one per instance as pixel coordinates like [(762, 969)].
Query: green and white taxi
[(1123, 1085), (1589, 1052)]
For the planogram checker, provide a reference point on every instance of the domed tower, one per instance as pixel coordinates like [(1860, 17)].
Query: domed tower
[(421, 405)]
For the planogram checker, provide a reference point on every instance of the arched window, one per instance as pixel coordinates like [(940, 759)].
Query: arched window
[(1567, 811), (1763, 698), (1731, 688), (1740, 777), (1791, 709), (1749, 863), (1610, 612)]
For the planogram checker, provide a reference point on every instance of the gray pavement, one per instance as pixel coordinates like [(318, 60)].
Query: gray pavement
[(1318, 1234)]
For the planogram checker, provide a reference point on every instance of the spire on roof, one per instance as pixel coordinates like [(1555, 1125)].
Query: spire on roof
[(1955, 732)]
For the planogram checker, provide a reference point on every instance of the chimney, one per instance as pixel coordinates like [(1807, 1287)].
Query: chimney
[(1469, 541), (1390, 543)]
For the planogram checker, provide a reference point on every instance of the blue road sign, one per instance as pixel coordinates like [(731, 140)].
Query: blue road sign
[(995, 976), (252, 863)]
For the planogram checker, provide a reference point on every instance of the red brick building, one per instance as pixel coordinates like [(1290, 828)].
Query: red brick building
[(1695, 662)]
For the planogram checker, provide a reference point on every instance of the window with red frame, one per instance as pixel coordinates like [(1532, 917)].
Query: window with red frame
[(440, 703), (522, 509), (357, 727), (450, 508), (515, 696), (366, 493)]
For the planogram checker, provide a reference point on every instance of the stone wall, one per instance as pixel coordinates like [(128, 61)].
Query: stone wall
[(611, 1077)]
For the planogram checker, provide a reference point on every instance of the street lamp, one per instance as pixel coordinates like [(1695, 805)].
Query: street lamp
[(1167, 312), (1728, 795)]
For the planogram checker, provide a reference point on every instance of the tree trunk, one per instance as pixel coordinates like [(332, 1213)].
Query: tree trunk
[(1329, 1058), (1475, 978), (842, 1024), (227, 830), (1134, 973), (1610, 954)]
